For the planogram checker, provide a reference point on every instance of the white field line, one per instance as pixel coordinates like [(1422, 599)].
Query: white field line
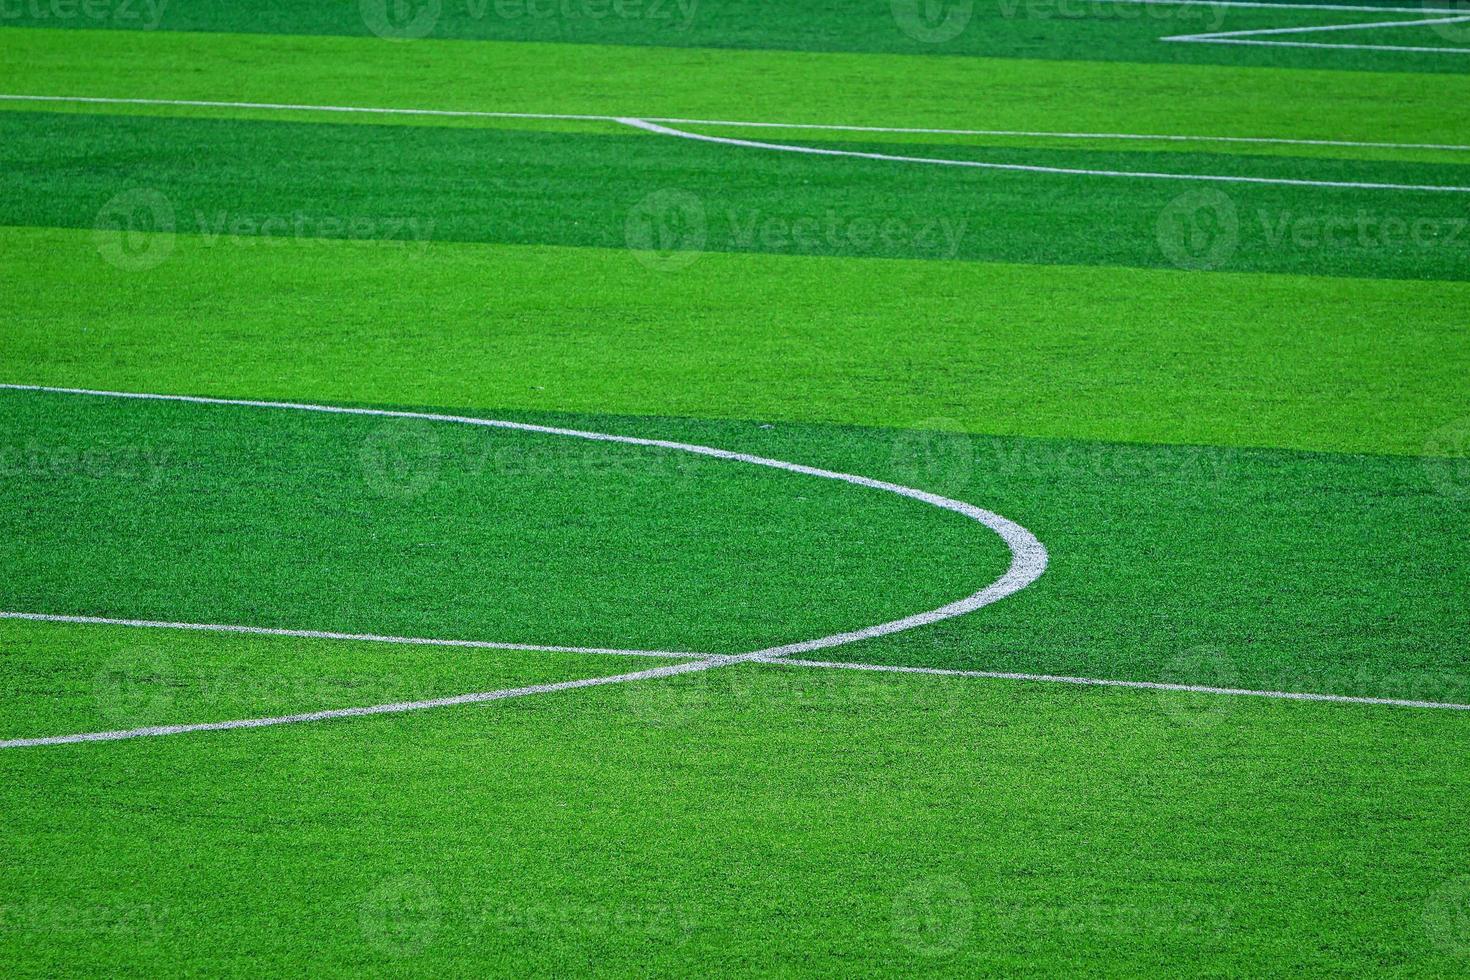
[(680, 121), (1253, 36), (1142, 685), (1149, 137), (653, 127), (1261, 5), (1320, 28), (325, 635), (1028, 560), (1319, 44), (400, 707)]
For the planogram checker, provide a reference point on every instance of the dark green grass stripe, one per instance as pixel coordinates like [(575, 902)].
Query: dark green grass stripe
[(92, 678), (1196, 160), (248, 177), (1050, 29), (408, 528), (1262, 569)]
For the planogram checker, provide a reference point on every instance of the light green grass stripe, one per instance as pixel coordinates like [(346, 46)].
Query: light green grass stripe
[(867, 89), (1104, 353), (904, 824)]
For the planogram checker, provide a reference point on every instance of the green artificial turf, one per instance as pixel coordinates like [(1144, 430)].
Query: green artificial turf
[(1235, 414), (1093, 30), (87, 678), (1149, 356), (410, 528), (302, 180), (352, 525), (753, 819), (769, 86)]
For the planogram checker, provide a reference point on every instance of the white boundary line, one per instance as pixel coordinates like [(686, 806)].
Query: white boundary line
[(651, 123), (1457, 15), (400, 707), (1261, 5), (1028, 561), (324, 635), (1250, 36), (653, 127), (1143, 685), (681, 121)]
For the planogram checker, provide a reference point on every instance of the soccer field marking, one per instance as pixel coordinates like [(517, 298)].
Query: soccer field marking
[(660, 129), (1137, 685), (1028, 562), (1253, 36), (732, 123), (1265, 5), (399, 707), (1455, 16), (829, 127), (327, 635)]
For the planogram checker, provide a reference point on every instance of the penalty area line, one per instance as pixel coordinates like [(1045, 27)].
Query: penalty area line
[(327, 635), (734, 123), (1135, 685), (662, 130), (400, 707)]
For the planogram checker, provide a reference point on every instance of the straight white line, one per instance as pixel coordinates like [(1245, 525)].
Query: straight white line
[(325, 635), (1322, 28), (1144, 685), (1357, 8), (1241, 37), (378, 709), (1151, 137), (1028, 168), (304, 107), (1203, 39), (679, 121)]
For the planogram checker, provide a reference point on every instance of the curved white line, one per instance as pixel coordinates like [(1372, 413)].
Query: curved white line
[(1043, 134), (1028, 561), (1317, 44), (1239, 37), (399, 707), (680, 121), (327, 635), (1136, 685), (662, 130)]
